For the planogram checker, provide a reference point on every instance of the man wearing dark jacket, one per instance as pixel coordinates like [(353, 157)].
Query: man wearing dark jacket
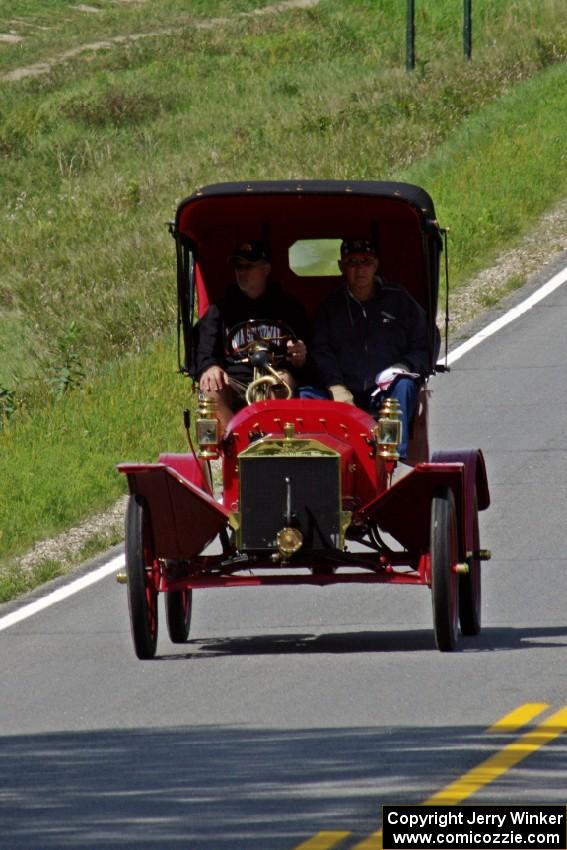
[(254, 297), (370, 338)]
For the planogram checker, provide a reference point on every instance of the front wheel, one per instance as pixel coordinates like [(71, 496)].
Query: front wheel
[(444, 584), (178, 607), (142, 590), (470, 585)]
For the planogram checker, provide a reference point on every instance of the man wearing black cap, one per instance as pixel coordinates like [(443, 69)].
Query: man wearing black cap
[(254, 297), (370, 338)]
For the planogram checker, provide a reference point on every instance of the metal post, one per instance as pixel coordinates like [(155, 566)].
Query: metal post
[(467, 28), (410, 36)]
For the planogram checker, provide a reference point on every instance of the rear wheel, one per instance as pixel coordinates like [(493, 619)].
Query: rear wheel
[(142, 591), (178, 607), (444, 585), (470, 585)]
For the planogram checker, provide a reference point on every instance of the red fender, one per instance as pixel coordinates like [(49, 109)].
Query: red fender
[(190, 467), (475, 480), (184, 517), (404, 509)]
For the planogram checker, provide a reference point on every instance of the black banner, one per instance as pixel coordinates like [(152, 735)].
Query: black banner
[(474, 827)]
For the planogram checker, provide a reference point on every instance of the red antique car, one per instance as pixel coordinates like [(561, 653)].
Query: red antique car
[(308, 495)]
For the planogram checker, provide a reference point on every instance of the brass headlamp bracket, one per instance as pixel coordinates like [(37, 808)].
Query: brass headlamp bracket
[(264, 385)]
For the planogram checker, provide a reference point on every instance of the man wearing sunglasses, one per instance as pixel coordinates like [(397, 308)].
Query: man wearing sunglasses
[(370, 338), (254, 297)]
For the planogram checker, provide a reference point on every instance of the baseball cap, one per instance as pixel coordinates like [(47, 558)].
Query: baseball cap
[(253, 251), (358, 246)]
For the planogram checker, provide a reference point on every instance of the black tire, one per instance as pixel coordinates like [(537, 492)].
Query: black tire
[(470, 586), (142, 592), (444, 584), (178, 608)]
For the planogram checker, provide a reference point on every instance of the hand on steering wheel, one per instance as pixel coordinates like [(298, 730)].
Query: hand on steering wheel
[(296, 353)]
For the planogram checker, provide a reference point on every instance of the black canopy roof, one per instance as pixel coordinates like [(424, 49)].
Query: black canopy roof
[(400, 217)]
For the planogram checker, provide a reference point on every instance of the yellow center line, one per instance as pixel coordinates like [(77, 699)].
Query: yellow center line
[(373, 842), (485, 773), (500, 762), (519, 717), (323, 841)]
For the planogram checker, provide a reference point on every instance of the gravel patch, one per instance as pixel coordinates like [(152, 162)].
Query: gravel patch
[(67, 546), (511, 269), (10, 38)]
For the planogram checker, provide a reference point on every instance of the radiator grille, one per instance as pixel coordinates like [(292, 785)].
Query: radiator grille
[(314, 487)]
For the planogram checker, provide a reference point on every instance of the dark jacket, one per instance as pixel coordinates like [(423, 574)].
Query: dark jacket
[(211, 332), (354, 341)]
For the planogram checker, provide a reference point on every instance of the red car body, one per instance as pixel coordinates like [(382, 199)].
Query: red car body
[(314, 465)]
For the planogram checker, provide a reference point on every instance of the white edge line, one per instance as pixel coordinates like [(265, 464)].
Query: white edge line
[(517, 311), (61, 593), (118, 562)]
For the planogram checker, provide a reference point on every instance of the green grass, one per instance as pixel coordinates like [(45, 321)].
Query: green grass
[(15, 581), (501, 170), (95, 155), (60, 466), (51, 27)]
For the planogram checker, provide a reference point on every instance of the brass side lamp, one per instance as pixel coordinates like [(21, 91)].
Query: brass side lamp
[(207, 427), (388, 430)]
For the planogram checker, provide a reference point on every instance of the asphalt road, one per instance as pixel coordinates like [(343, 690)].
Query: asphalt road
[(291, 716)]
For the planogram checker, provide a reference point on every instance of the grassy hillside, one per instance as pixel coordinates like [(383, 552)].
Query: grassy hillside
[(96, 150)]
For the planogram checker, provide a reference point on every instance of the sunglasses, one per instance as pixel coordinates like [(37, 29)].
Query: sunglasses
[(244, 266), (359, 261)]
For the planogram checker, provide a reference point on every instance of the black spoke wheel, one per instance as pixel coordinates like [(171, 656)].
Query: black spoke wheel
[(178, 607), (470, 585), (444, 584), (140, 569)]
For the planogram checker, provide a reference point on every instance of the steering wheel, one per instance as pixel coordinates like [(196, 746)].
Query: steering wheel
[(258, 341)]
